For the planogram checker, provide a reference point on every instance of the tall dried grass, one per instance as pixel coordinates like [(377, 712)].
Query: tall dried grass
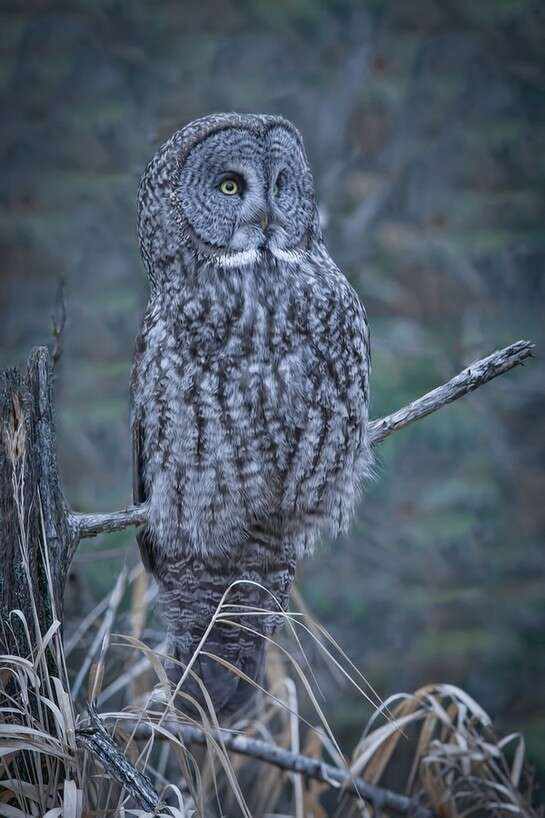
[(41, 772)]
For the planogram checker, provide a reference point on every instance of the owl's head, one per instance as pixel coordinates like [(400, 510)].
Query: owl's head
[(228, 187)]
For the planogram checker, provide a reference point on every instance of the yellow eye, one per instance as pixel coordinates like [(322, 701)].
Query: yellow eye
[(230, 187)]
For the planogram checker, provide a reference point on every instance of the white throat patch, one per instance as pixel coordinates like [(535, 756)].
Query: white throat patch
[(291, 256), (242, 259), (246, 258)]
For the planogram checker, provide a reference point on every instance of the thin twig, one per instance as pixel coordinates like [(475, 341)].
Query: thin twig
[(103, 634), (58, 323), (135, 670), (381, 799), (475, 375)]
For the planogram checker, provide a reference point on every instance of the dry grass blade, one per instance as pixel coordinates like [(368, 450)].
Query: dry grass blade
[(39, 767), (37, 746), (102, 636), (458, 761)]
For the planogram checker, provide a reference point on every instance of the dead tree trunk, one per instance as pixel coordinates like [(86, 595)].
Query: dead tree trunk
[(33, 510)]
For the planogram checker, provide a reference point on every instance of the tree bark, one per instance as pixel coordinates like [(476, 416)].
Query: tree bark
[(33, 511)]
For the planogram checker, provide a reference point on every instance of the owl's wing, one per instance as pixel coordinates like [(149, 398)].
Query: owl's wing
[(138, 489), (143, 537), (354, 315)]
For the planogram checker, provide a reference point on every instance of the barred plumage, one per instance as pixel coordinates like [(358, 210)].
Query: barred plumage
[(250, 384)]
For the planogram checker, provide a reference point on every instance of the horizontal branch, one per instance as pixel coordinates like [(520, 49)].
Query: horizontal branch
[(475, 375), (380, 798), (89, 525)]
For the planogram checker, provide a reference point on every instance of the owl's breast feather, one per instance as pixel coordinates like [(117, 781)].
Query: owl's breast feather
[(253, 407)]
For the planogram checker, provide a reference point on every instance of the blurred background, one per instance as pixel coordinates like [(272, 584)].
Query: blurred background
[(425, 126)]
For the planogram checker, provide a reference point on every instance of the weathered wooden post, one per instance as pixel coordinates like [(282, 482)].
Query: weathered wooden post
[(36, 540)]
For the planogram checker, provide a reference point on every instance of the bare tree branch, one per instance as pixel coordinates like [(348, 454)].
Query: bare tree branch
[(89, 525), (469, 379), (381, 799), (475, 375), (98, 742)]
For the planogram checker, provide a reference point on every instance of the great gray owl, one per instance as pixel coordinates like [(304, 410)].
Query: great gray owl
[(249, 387)]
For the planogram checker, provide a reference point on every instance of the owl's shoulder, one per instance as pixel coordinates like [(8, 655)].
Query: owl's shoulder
[(325, 267), (327, 284), (152, 344)]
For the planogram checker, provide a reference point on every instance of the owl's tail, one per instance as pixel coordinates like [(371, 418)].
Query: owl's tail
[(228, 691), (230, 663)]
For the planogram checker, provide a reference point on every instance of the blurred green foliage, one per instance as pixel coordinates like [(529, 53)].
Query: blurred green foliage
[(425, 124)]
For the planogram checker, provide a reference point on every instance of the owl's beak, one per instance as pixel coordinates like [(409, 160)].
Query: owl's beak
[(264, 222)]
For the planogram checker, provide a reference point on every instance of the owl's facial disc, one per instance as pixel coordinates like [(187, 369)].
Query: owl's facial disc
[(290, 193), (242, 192)]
